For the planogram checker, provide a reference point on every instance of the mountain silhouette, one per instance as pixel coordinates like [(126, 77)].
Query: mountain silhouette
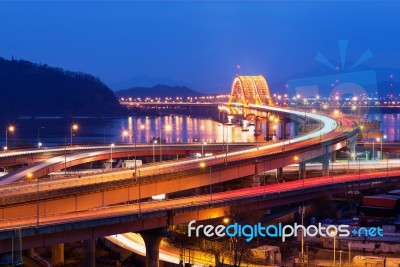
[(158, 91), (34, 89)]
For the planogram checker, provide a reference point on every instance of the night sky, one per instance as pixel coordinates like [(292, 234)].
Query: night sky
[(197, 43)]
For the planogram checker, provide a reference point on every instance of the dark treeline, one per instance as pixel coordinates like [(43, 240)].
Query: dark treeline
[(39, 90)]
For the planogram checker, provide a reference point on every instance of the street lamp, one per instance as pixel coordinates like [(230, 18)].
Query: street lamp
[(226, 220), (387, 157), (379, 140), (111, 158), (373, 149), (38, 136), (223, 140), (202, 148), (333, 233), (359, 168), (302, 211), (349, 245), (10, 129), (154, 157), (74, 127)]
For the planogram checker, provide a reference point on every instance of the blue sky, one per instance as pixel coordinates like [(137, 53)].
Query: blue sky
[(198, 43)]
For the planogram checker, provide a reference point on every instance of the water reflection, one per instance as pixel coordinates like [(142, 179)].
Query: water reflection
[(390, 125), (171, 129)]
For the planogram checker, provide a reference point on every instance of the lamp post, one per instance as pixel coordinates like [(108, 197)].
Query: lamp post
[(154, 157), (383, 137), (10, 129), (373, 149), (302, 233), (333, 232), (378, 139), (349, 245), (38, 136), (140, 210), (387, 158), (202, 148), (74, 127), (223, 141), (111, 158)]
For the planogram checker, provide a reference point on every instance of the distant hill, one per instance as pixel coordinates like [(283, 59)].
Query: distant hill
[(146, 81), (158, 91), (33, 89)]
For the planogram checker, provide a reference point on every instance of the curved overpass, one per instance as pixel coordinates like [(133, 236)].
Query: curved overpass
[(161, 178), (61, 162), (185, 174), (83, 155)]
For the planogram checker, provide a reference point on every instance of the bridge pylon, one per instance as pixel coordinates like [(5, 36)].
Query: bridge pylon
[(249, 90)]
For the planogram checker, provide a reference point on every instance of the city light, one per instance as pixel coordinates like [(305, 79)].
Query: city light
[(11, 129), (74, 127), (168, 127)]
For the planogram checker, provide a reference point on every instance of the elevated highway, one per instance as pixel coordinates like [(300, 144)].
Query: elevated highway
[(102, 221), (82, 155), (62, 209), (30, 156)]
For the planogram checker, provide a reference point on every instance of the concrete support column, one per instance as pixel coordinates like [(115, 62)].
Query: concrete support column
[(333, 159), (293, 130), (352, 150), (283, 129), (302, 170), (325, 165), (89, 247), (279, 173), (152, 239), (278, 131), (296, 128), (267, 137), (57, 254)]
